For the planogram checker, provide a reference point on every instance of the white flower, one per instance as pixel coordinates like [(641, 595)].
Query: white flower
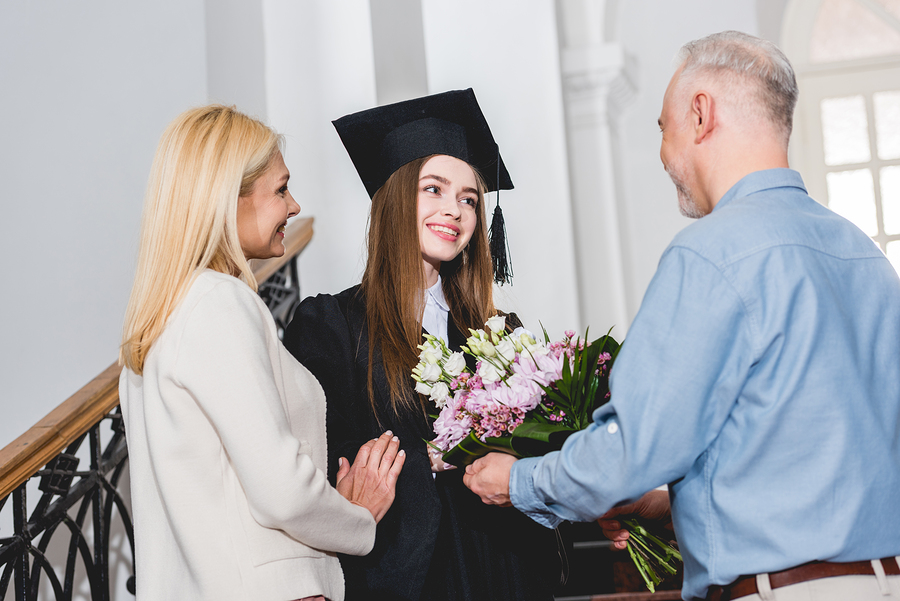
[(430, 354), (517, 333), (431, 373), (507, 350), (423, 388), (476, 336), (487, 349), (496, 324), (455, 364), (534, 348), (489, 374), (440, 392)]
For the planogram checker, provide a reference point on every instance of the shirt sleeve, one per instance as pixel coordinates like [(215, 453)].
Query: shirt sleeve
[(225, 361), (674, 383)]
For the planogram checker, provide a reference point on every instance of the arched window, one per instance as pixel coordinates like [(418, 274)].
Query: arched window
[(847, 126)]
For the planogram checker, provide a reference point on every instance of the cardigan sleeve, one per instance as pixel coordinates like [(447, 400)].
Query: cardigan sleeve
[(321, 338), (225, 361)]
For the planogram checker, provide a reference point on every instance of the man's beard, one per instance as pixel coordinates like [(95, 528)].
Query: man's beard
[(686, 203)]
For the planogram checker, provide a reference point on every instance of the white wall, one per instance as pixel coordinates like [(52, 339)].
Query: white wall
[(651, 32), (236, 57), (319, 68), (86, 88)]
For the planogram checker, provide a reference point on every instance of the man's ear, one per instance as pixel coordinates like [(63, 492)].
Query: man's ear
[(703, 115)]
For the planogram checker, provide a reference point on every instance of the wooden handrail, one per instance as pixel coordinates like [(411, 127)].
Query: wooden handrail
[(21, 458), (24, 456)]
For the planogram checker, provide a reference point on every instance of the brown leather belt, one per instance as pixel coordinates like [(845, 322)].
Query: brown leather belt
[(746, 585)]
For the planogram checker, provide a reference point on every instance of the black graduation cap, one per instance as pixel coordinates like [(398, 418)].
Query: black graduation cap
[(383, 139)]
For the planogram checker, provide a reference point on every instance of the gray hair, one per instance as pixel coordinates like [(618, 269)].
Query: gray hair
[(751, 60)]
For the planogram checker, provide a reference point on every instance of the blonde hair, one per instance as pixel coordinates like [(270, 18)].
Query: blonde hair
[(206, 159)]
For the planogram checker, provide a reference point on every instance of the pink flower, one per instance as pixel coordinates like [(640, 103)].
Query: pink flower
[(543, 369), (475, 401), (451, 426), (520, 393)]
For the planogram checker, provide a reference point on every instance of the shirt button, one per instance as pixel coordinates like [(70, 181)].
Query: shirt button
[(612, 428)]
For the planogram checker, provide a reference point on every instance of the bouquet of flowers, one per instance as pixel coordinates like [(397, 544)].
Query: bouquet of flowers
[(525, 398)]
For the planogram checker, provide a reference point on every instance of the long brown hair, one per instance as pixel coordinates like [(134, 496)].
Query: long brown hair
[(394, 282)]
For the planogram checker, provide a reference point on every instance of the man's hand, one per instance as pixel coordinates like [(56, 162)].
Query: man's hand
[(488, 478), (653, 506)]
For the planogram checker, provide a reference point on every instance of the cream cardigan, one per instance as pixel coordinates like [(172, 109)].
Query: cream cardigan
[(226, 442)]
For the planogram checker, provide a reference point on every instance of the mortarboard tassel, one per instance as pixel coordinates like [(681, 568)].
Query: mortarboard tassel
[(500, 258), (499, 248)]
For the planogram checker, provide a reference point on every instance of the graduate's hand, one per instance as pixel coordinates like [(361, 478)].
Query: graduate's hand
[(652, 506), (371, 480), (437, 461), (488, 478)]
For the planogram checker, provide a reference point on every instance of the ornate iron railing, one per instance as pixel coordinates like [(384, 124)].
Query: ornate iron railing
[(87, 503)]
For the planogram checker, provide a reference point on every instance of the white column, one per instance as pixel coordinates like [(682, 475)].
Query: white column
[(595, 91)]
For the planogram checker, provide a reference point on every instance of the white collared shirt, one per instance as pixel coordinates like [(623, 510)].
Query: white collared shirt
[(434, 318)]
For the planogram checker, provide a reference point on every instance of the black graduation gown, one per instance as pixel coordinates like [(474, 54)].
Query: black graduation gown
[(438, 540)]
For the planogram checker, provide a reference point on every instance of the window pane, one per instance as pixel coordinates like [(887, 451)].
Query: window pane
[(892, 6), (847, 30), (845, 130), (893, 254), (851, 194), (890, 199), (887, 124)]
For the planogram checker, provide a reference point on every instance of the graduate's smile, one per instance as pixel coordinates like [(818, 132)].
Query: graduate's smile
[(447, 232)]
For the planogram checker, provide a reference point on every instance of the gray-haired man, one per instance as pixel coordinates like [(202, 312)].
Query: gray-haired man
[(761, 377)]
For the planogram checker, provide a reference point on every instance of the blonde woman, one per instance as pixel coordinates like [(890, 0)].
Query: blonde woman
[(228, 481)]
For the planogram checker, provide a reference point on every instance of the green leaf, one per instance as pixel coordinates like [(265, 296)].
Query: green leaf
[(530, 439), (556, 396), (543, 432), (471, 448), (546, 335)]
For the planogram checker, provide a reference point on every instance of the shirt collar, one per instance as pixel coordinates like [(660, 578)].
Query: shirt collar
[(436, 294), (762, 180)]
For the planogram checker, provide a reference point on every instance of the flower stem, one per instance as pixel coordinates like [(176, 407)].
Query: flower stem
[(650, 554)]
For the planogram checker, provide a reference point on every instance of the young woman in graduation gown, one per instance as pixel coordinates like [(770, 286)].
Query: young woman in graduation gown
[(426, 163)]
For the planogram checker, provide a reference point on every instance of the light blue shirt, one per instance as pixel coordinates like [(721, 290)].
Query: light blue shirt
[(761, 380)]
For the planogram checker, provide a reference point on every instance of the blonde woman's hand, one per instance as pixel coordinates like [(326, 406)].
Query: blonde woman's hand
[(371, 480)]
